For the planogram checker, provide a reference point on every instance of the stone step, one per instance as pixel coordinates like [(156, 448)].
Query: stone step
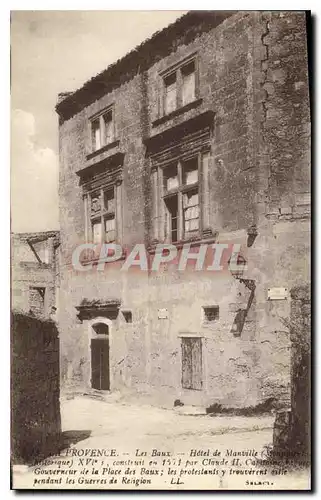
[(190, 410)]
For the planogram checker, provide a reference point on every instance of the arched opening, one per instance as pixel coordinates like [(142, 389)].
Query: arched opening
[(101, 329), (100, 377)]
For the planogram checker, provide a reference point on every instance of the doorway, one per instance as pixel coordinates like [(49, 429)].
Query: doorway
[(100, 378)]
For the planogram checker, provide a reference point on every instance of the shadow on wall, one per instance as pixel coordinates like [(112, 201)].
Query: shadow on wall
[(262, 408), (35, 407), (43, 446)]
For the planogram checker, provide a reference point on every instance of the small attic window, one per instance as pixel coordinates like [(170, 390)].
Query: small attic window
[(128, 316), (211, 314)]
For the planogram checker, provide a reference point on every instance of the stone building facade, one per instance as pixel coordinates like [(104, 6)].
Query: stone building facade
[(35, 273), (199, 135)]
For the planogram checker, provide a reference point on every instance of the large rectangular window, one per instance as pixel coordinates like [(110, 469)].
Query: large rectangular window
[(102, 216), (192, 363), (179, 87), (181, 199), (102, 130), (191, 212)]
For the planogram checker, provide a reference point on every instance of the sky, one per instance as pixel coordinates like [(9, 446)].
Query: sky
[(52, 52)]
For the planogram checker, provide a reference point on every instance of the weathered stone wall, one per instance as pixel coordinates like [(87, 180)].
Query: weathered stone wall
[(237, 60), (301, 368), (292, 429), (283, 198), (35, 407)]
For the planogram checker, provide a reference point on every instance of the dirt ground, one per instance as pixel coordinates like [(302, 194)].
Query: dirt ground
[(144, 447)]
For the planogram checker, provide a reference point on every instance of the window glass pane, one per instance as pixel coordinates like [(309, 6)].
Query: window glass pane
[(171, 177), (95, 128), (96, 232), (191, 211), (110, 233), (191, 199), (109, 132), (188, 86), (170, 93), (110, 237), (191, 225), (190, 171), (110, 224), (101, 329), (109, 200)]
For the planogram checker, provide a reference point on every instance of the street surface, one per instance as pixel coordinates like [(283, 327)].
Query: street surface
[(144, 447)]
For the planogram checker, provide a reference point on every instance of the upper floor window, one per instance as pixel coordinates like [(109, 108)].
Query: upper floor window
[(102, 130), (170, 97), (188, 83), (179, 87)]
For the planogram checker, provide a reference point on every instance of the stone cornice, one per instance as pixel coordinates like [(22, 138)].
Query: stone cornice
[(173, 135), (99, 166), (94, 308)]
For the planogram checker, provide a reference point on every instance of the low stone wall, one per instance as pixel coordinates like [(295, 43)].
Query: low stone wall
[(35, 407)]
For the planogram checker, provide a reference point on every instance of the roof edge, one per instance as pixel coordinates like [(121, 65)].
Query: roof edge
[(161, 44)]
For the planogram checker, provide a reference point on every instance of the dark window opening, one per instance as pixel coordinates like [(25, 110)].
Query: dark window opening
[(172, 207), (95, 131), (190, 171), (100, 363), (128, 316), (171, 178), (109, 200), (101, 329), (109, 132), (170, 101), (211, 313)]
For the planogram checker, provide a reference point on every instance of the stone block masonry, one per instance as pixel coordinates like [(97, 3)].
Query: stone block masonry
[(246, 128)]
